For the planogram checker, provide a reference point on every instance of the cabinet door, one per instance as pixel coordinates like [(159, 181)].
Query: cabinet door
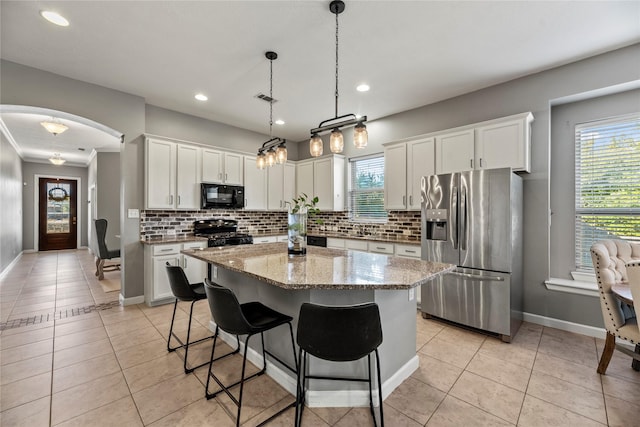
[(455, 152), (304, 179), (233, 169), (255, 185), (501, 145), (161, 287), (323, 183), (395, 177), (420, 162), (187, 183), (212, 166), (275, 178), (289, 187), (160, 174)]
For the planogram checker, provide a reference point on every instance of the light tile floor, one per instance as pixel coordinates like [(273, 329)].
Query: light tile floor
[(111, 367)]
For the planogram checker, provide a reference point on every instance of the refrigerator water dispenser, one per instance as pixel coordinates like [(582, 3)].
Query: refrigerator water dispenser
[(436, 224)]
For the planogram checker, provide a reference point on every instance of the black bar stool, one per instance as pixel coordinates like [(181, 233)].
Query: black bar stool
[(338, 334), (184, 291), (243, 319)]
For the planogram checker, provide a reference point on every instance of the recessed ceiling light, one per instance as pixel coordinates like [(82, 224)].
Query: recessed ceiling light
[(54, 18), (362, 87), (201, 97), (279, 122)]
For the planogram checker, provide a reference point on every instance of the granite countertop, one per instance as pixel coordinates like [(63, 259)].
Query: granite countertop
[(167, 240), (336, 235), (321, 268)]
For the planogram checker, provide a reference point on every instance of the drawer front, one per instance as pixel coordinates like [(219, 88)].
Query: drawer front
[(282, 238), (194, 245), (267, 239), (358, 245), (334, 243), (381, 248), (166, 249), (409, 251)]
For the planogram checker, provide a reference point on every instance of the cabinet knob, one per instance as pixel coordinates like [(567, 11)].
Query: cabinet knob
[(411, 200)]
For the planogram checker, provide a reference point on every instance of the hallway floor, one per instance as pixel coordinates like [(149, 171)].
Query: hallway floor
[(77, 360)]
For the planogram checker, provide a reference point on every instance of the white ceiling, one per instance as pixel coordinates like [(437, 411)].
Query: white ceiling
[(411, 53)]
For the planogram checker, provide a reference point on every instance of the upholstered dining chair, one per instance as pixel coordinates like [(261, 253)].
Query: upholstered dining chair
[(104, 253), (609, 262)]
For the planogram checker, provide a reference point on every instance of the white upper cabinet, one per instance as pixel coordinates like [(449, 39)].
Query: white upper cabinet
[(455, 151), (323, 178), (503, 142), (160, 174), (275, 184), (404, 164), (289, 190), (187, 182), (172, 175), (222, 167), (395, 177), (255, 185)]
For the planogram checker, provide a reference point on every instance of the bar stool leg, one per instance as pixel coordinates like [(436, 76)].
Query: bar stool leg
[(169, 349), (379, 388)]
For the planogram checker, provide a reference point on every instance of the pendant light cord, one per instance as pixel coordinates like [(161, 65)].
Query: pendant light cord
[(270, 98), (336, 64)]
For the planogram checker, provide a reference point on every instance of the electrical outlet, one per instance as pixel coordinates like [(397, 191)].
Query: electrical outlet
[(133, 213)]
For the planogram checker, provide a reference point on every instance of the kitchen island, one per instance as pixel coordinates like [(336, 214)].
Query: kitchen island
[(267, 274)]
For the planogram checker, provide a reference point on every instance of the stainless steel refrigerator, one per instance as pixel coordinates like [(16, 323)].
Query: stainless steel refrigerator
[(474, 219)]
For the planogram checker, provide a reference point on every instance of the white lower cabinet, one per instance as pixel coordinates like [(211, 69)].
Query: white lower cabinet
[(157, 289), (265, 239), (408, 251), (334, 243)]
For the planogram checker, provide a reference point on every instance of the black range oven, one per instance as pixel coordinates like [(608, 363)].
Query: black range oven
[(221, 232)]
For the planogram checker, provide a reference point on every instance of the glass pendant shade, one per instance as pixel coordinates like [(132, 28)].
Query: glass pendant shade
[(360, 135), (57, 160), (261, 161), (271, 157), (281, 154), (54, 127), (336, 141), (315, 145)]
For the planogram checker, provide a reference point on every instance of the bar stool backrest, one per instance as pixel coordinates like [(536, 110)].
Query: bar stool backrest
[(339, 333), (225, 309), (180, 284)]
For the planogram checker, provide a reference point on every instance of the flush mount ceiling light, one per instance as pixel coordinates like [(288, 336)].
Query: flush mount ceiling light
[(54, 126), (54, 18), (274, 150), (363, 87), (201, 97), (56, 159), (336, 141)]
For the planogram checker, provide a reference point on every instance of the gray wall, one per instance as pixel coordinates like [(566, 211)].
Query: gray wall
[(11, 204), (108, 192), (535, 93), (29, 207), (564, 118), (160, 121)]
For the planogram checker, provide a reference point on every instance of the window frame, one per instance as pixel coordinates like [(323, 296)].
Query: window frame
[(351, 192)]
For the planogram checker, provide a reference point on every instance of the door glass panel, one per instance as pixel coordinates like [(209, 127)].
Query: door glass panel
[(58, 208)]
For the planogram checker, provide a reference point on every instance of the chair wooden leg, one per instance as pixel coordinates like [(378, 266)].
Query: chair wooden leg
[(607, 353), (97, 266), (100, 269)]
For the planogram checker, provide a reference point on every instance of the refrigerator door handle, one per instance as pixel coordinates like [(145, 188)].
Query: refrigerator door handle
[(464, 219), (478, 277), (453, 212)]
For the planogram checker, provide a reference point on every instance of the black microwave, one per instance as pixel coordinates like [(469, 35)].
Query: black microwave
[(219, 196)]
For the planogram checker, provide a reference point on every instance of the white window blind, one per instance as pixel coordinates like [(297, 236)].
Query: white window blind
[(607, 184), (366, 189)]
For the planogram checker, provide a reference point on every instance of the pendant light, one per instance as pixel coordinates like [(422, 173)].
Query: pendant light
[(54, 126), (274, 150), (336, 140), (56, 159)]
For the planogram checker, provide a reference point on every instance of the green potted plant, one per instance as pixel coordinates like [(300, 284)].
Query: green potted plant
[(300, 209)]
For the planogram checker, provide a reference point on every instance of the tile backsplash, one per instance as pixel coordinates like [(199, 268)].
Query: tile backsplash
[(401, 225)]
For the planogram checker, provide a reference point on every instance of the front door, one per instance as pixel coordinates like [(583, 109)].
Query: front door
[(57, 214)]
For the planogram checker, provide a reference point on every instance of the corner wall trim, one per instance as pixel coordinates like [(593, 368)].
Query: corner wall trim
[(564, 325), (130, 301)]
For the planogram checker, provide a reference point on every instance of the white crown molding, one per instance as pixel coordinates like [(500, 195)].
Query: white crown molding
[(12, 141)]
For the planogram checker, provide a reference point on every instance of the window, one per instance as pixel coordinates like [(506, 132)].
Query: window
[(366, 189), (607, 184)]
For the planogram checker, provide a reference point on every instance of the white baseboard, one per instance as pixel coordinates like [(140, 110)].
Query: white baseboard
[(564, 325), (130, 301), (11, 265), (325, 398), (29, 251)]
